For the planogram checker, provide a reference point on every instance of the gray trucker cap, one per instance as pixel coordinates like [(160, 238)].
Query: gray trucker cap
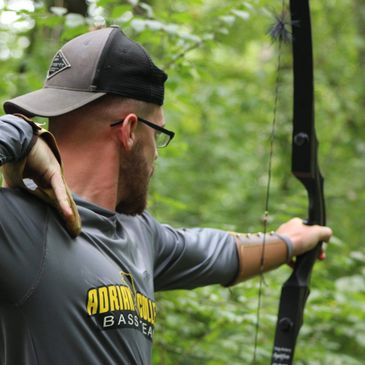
[(89, 66)]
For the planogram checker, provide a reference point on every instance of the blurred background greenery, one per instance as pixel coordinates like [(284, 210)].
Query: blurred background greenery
[(219, 100)]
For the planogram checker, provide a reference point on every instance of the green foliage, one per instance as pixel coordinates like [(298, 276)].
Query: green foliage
[(220, 94)]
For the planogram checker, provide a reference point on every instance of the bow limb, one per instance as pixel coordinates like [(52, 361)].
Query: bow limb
[(305, 168)]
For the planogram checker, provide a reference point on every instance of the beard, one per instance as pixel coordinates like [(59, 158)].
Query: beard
[(134, 177)]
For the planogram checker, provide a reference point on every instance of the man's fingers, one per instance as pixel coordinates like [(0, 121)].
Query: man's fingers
[(326, 234), (60, 191)]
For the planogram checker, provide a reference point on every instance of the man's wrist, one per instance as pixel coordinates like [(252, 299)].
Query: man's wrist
[(289, 244), (35, 127)]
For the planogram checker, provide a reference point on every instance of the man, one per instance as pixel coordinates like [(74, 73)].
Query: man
[(88, 297)]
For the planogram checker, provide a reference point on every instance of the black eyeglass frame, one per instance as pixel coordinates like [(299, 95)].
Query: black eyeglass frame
[(171, 134)]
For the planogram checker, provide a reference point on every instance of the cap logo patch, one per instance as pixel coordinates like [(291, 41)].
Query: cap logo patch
[(59, 63)]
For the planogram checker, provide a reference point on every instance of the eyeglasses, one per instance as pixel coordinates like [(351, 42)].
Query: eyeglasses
[(162, 136)]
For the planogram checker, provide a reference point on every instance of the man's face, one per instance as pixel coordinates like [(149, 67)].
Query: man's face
[(135, 175), (138, 167)]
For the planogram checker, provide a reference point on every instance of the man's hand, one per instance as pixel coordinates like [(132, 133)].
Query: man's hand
[(304, 237), (44, 169), (43, 166)]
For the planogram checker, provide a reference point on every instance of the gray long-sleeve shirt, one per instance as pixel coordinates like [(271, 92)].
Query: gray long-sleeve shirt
[(90, 300)]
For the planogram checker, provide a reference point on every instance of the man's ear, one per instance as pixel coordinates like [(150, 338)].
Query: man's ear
[(127, 131)]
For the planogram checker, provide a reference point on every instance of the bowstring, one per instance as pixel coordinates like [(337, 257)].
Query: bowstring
[(278, 32)]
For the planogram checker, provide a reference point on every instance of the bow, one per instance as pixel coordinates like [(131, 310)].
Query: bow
[(305, 168)]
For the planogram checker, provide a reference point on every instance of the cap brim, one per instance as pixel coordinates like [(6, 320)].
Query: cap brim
[(50, 102)]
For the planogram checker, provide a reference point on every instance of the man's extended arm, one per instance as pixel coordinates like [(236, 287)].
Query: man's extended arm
[(189, 258)]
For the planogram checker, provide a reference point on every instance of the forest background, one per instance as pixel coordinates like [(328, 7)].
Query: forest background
[(219, 100)]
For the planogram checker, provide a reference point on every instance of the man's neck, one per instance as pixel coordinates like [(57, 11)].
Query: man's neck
[(92, 174)]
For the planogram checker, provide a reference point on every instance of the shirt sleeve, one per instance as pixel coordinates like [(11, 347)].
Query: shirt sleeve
[(16, 138), (190, 258)]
